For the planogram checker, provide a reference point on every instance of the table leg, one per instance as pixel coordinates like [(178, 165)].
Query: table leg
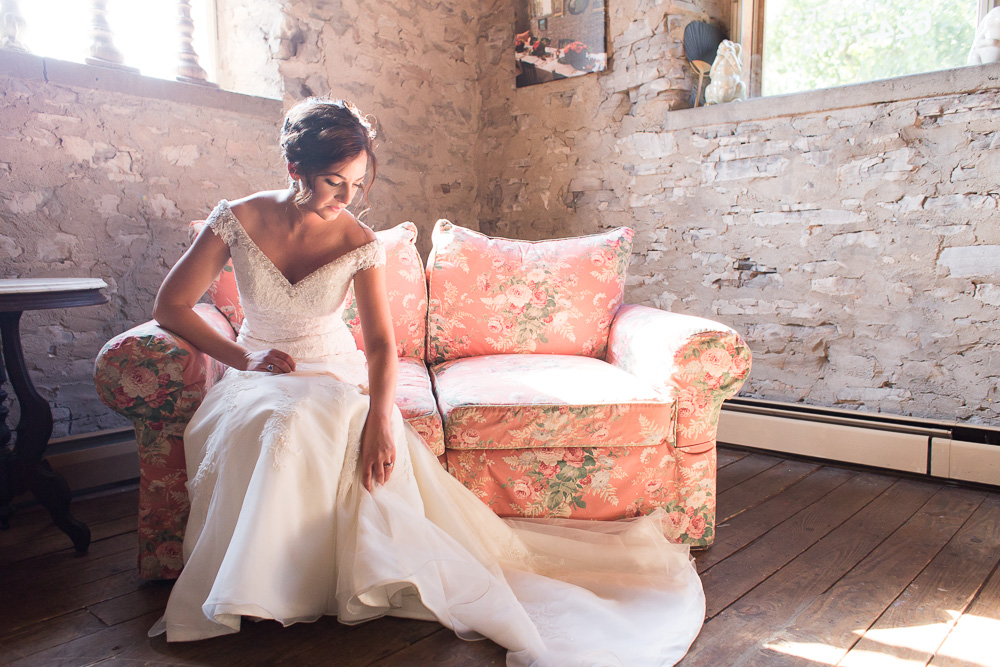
[(6, 456), (25, 468)]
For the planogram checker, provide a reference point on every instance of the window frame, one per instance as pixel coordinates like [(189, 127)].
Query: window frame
[(204, 15), (747, 21)]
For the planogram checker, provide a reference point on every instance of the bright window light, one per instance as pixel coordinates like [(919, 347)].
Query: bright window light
[(810, 44), (146, 33)]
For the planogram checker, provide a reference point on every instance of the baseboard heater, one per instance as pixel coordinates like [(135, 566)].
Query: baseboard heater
[(936, 448)]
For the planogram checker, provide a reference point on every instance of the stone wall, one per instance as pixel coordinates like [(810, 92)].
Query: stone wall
[(253, 37), (854, 243), (412, 65), (101, 172), (857, 249), (558, 151)]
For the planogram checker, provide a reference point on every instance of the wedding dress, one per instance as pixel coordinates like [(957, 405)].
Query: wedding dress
[(282, 528)]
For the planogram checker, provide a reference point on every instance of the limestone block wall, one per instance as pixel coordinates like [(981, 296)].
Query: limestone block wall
[(560, 153), (100, 173), (252, 37), (857, 248), (410, 65), (852, 241)]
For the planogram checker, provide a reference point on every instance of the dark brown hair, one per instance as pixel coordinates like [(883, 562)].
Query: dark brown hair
[(319, 133)]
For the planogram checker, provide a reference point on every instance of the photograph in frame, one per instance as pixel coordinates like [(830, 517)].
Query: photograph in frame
[(558, 39)]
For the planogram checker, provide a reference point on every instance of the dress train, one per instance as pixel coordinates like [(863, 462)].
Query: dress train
[(281, 528)]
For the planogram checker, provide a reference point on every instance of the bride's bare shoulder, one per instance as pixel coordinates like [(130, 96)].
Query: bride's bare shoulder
[(253, 210), (358, 233)]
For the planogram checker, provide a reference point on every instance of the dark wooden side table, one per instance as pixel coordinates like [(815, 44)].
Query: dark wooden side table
[(22, 466)]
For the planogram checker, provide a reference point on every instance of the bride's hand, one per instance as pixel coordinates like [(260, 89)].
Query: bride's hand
[(269, 361), (378, 452)]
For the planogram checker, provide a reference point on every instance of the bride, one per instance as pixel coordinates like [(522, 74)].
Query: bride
[(311, 496)]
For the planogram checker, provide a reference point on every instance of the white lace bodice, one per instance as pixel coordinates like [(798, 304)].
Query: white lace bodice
[(302, 318)]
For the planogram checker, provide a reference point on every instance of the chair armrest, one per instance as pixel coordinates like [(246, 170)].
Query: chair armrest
[(151, 375), (702, 362)]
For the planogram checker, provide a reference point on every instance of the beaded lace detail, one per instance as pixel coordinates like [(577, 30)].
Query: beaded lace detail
[(547, 622), (232, 384), (301, 318), (274, 436)]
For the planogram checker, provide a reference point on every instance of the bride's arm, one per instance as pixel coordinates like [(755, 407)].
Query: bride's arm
[(377, 446), (184, 286)]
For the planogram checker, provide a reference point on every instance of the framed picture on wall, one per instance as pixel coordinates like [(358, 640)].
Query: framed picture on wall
[(558, 39)]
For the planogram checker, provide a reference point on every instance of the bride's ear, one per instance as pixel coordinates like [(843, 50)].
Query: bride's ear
[(296, 181)]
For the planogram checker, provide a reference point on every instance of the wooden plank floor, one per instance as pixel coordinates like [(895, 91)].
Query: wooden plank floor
[(813, 565)]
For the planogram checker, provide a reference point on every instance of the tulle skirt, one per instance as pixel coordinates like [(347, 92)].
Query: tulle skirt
[(281, 528)]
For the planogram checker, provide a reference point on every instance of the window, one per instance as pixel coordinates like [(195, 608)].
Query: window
[(797, 45), (147, 34)]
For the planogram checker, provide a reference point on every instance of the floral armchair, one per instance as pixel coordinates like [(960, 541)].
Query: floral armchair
[(520, 367), (557, 399)]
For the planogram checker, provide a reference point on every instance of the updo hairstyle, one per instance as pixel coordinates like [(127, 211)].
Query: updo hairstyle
[(319, 133)]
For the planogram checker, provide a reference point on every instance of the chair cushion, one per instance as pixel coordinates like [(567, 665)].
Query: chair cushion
[(416, 401), (497, 296), (407, 289), (547, 401)]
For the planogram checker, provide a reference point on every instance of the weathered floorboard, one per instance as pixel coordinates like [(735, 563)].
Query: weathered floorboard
[(973, 641), (738, 629), (27, 525), (744, 469), (834, 618), (919, 620), (812, 564), (757, 489), (734, 534), (727, 581), (725, 457), (443, 649)]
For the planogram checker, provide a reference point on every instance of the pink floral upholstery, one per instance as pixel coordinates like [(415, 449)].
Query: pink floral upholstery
[(152, 374), (564, 436), (158, 380), (604, 483), (404, 281), (703, 361), (543, 400), (222, 293), (415, 400), (497, 296)]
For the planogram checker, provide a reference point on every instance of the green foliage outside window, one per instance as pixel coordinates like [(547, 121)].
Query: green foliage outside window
[(811, 44)]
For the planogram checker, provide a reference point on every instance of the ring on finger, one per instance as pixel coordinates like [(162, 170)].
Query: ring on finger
[(387, 465), (270, 367)]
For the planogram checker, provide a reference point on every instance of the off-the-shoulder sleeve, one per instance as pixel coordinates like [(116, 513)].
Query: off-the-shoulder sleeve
[(223, 223), (370, 255)]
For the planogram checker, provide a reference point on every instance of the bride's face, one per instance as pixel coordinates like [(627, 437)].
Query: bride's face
[(333, 189)]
